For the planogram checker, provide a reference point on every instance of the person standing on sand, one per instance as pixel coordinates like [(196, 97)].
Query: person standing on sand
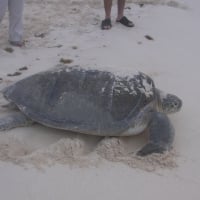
[(106, 23), (15, 8)]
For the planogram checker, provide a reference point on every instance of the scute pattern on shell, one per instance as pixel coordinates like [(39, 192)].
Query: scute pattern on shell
[(83, 100)]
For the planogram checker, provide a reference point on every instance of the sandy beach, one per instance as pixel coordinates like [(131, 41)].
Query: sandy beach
[(40, 163)]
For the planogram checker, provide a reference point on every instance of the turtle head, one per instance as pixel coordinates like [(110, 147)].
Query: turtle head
[(168, 103)]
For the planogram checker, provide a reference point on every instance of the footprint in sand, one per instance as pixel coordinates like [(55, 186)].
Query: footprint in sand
[(23, 68), (18, 72), (9, 49), (66, 61), (15, 74), (148, 37)]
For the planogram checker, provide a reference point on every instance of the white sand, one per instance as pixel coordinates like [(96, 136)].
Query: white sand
[(40, 163)]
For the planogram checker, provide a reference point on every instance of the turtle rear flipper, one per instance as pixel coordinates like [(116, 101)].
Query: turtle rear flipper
[(10, 106), (17, 119), (161, 135)]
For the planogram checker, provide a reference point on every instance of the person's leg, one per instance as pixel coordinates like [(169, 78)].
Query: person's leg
[(107, 7), (16, 22), (120, 15), (3, 7), (106, 23)]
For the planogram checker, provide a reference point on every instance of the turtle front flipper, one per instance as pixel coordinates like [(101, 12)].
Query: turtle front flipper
[(17, 119), (161, 135)]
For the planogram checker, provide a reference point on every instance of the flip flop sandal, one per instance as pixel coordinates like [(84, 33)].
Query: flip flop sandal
[(106, 24), (124, 20), (17, 43)]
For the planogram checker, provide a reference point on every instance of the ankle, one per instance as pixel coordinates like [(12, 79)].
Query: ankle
[(119, 17)]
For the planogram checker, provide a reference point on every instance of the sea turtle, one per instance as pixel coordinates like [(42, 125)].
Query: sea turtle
[(94, 102)]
